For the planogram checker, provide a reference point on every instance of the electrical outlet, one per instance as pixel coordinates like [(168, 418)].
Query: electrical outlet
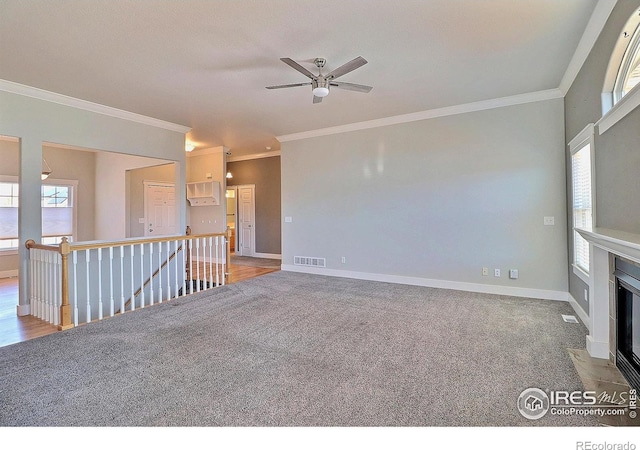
[(513, 274), (485, 271), (496, 272), (549, 220), (288, 219), (586, 295)]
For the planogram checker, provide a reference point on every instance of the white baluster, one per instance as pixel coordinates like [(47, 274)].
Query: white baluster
[(150, 273), (111, 303), (100, 284), (160, 272), (122, 279), (32, 297), (223, 256), (191, 266), (35, 281), (184, 267), (211, 265), (168, 271), (75, 288), (88, 260), (133, 297), (49, 290), (217, 261), (175, 268), (198, 264), (141, 275), (56, 288)]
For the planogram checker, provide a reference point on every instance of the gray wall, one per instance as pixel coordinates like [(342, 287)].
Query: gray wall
[(36, 121), (435, 199), (207, 165), (265, 174), (617, 161), (66, 164)]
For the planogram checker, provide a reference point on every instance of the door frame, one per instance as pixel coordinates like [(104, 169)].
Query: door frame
[(145, 201), (235, 199), (238, 222)]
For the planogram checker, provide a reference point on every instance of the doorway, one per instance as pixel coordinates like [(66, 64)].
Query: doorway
[(160, 208), (246, 220), (232, 215)]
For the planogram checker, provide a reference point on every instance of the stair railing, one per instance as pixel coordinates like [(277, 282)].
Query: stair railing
[(74, 283)]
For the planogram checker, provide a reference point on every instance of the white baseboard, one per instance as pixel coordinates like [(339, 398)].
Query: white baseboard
[(597, 349), (9, 273), (580, 312), (24, 310), (427, 282), (267, 255)]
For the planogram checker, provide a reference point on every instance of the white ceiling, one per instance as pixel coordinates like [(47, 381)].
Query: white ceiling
[(205, 64)]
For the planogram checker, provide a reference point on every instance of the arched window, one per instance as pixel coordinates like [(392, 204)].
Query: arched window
[(623, 72), (629, 72)]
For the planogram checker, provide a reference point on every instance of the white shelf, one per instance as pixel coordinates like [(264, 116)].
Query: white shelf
[(203, 193)]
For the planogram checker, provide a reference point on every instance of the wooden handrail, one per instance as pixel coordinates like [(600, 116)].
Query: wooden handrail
[(106, 244), (33, 244)]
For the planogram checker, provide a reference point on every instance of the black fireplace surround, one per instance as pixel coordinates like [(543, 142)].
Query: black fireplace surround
[(628, 321)]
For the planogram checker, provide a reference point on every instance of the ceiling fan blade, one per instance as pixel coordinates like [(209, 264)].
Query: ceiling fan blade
[(351, 86), (298, 67), (280, 86), (346, 68), (317, 99)]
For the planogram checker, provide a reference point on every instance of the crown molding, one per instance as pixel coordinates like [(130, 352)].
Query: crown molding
[(428, 114), (53, 97), (596, 24), (254, 156)]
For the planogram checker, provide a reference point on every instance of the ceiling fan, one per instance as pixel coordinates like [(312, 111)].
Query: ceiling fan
[(321, 83)]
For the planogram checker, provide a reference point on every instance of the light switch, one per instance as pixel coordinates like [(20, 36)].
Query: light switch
[(549, 220), (141, 220)]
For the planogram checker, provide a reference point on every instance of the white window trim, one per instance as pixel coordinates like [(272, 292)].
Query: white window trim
[(620, 110), (585, 137), (48, 181), (613, 113)]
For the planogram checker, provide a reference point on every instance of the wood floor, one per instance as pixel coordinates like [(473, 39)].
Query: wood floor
[(15, 329)]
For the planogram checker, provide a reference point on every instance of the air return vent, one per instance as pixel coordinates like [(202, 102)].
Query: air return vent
[(309, 261)]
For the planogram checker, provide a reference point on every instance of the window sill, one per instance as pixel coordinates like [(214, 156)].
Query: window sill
[(584, 276), (620, 110), (9, 252)]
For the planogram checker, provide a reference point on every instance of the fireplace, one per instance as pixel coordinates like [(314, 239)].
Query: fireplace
[(627, 288)]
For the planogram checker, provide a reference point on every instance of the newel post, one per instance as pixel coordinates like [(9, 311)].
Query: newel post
[(65, 307)]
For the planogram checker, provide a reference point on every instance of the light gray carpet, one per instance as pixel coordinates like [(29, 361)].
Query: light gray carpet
[(288, 349)]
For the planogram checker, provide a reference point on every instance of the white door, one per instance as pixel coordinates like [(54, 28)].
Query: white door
[(246, 227), (160, 209)]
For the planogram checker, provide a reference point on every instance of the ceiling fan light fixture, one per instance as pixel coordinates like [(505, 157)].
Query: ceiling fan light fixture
[(321, 91)]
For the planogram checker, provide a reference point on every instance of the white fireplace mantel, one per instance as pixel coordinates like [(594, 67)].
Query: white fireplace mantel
[(617, 242), (604, 242)]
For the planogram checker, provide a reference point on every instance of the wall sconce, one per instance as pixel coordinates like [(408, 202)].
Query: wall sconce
[(189, 147), (46, 170), (229, 175)]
